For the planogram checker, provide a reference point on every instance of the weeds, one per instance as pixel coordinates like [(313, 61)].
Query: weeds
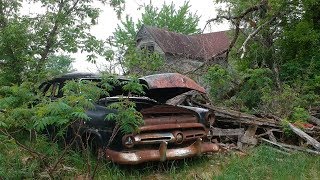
[(262, 162)]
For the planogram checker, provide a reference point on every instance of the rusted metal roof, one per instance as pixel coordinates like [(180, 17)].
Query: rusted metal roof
[(199, 46)]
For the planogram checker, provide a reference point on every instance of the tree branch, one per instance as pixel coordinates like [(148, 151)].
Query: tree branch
[(54, 31), (239, 17), (251, 35), (51, 36), (235, 20)]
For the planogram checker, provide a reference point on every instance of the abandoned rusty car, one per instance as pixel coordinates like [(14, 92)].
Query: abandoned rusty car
[(169, 132)]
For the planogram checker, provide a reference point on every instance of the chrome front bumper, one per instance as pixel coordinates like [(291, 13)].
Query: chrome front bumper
[(161, 154)]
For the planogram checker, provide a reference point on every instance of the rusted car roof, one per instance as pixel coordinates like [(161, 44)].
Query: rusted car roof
[(199, 46), (171, 80), (162, 87)]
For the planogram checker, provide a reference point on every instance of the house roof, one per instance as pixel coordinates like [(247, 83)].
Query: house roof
[(199, 46)]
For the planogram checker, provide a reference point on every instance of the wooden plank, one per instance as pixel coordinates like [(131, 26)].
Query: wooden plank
[(272, 137), (305, 136), (228, 115), (249, 135), (226, 132)]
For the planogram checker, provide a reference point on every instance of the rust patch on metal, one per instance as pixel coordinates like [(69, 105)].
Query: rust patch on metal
[(171, 80), (159, 127), (175, 136), (170, 120), (166, 109), (162, 153)]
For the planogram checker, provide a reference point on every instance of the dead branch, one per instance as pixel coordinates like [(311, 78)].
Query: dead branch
[(53, 168), (289, 148), (251, 35), (305, 136)]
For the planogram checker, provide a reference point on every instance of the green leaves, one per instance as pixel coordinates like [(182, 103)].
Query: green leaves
[(127, 117), (81, 115), (281, 66), (176, 20), (58, 64), (133, 86), (83, 91), (219, 80)]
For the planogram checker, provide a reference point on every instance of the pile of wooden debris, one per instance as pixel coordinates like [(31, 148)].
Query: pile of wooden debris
[(237, 130)]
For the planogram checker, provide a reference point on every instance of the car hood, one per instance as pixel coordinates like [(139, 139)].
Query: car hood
[(163, 87)]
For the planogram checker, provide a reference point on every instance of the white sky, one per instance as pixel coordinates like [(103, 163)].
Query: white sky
[(108, 21)]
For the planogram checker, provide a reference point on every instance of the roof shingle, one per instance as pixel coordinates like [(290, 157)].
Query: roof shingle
[(199, 46)]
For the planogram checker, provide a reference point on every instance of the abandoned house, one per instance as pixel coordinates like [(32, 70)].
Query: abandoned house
[(183, 53)]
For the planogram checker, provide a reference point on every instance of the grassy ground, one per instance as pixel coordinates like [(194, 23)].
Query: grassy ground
[(262, 162)]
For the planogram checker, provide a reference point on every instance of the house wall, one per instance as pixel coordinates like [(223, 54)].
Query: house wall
[(181, 64)]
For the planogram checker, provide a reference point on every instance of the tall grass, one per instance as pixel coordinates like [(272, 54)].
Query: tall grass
[(266, 163), (262, 162)]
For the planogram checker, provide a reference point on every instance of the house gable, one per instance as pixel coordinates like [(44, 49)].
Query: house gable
[(144, 40)]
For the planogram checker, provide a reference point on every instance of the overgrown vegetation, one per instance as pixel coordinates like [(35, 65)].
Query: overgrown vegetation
[(278, 73), (274, 65), (34, 124)]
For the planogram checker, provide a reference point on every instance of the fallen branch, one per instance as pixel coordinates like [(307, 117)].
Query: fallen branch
[(289, 148), (276, 144), (305, 136)]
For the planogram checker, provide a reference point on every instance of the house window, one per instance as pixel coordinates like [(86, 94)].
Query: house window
[(147, 47), (138, 40)]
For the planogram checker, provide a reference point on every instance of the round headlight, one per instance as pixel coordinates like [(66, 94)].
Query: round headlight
[(179, 137)]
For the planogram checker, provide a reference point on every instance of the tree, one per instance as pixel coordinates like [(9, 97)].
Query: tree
[(29, 47), (27, 41), (176, 20), (279, 37)]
